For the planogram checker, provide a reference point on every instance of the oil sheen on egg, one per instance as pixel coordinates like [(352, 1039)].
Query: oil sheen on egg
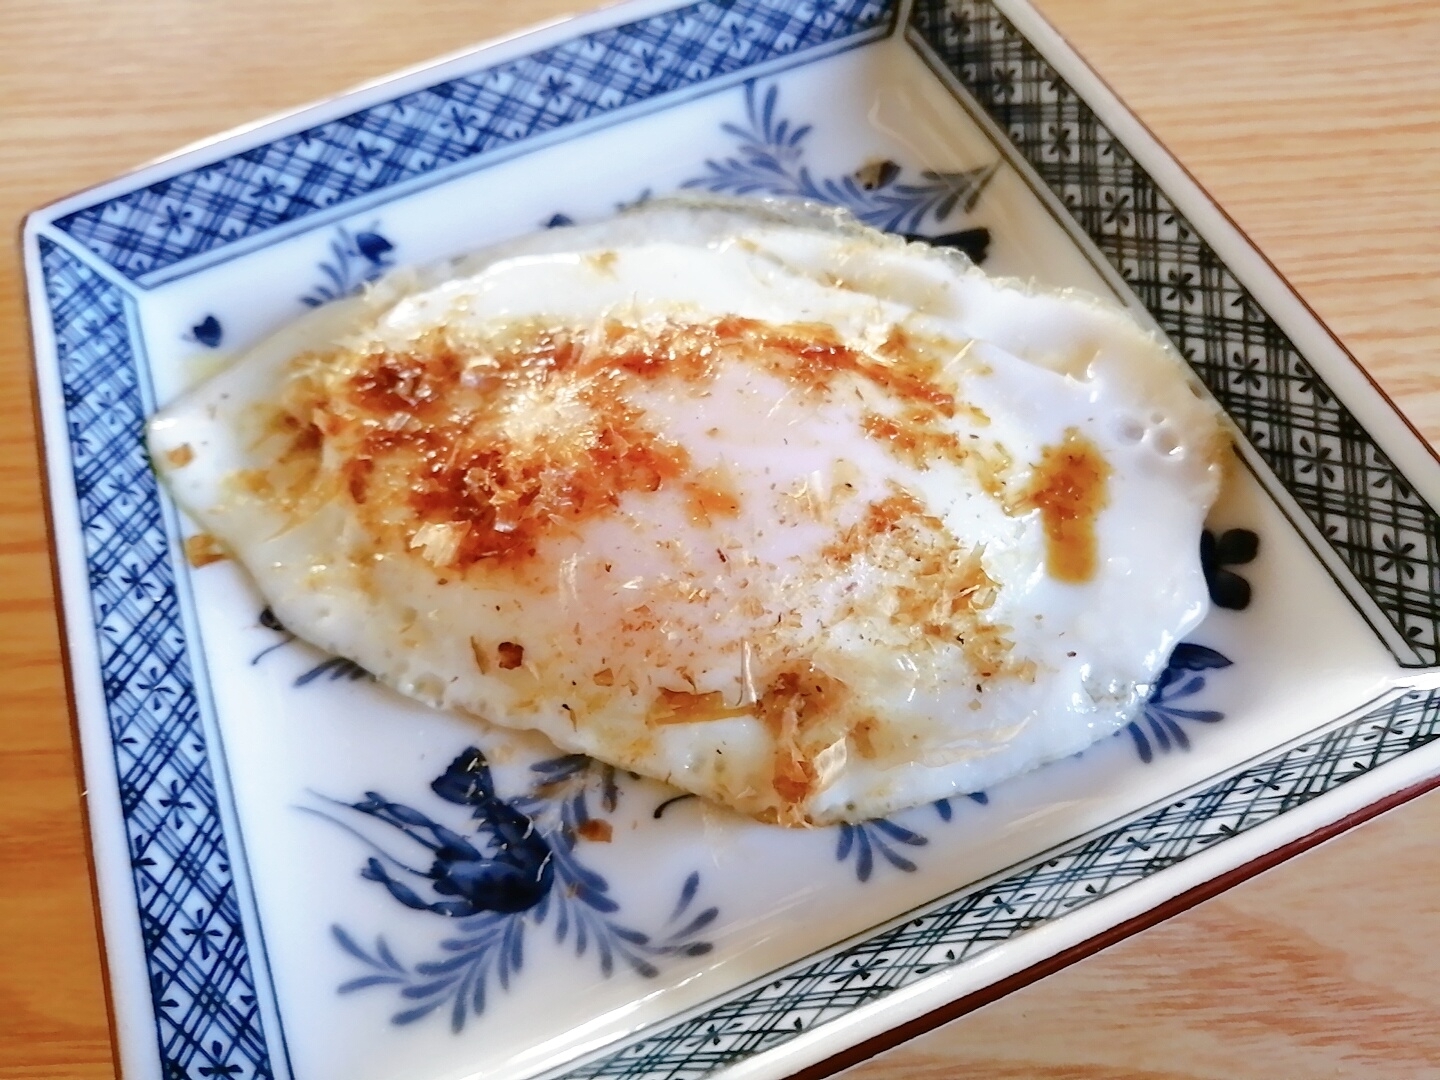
[(742, 496)]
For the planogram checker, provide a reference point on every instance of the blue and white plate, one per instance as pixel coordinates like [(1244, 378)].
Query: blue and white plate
[(282, 890)]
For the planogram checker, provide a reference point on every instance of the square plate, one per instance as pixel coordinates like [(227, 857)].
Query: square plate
[(225, 761)]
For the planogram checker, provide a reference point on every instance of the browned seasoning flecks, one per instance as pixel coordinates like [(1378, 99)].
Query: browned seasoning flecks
[(804, 708), (181, 455), (460, 439), (1070, 488), (710, 497), (596, 830), (915, 438), (938, 592), (683, 707), (202, 549), (497, 444)]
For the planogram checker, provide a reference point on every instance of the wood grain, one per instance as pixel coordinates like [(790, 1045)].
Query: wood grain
[(1316, 124)]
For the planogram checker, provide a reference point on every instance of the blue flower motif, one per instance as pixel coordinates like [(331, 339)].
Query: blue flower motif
[(769, 161), (207, 332), (522, 872), (355, 261), (1233, 547), (864, 840), (266, 190), (332, 668), (509, 870), (1159, 726)]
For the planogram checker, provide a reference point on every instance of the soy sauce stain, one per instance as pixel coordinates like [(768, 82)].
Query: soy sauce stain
[(1070, 488)]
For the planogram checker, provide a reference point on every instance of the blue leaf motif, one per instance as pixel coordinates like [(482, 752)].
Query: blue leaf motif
[(409, 1016), (769, 160), (208, 332), (571, 898), (355, 260), (367, 981), (1158, 728), (867, 839), (687, 895), (1189, 656), (331, 669), (373, 247)]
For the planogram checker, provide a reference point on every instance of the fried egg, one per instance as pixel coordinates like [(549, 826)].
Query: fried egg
[(743, 496)]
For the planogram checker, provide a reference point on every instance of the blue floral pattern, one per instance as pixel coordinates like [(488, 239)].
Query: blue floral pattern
[(332, 668), (524, 871), (1218, 553), (207, 332), (355, 260), (864, 840), (769, 160), (1158, 728), (198, 984)]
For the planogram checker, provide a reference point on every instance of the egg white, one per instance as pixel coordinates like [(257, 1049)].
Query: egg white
[(724, 602)]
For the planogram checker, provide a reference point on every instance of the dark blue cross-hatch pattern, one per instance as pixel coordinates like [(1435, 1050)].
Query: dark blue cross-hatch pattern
[(206, 1015)]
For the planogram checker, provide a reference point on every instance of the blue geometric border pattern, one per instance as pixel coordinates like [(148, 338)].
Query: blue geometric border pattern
[(201, 984), (325, 166), (1347, 486), (776, 1012)]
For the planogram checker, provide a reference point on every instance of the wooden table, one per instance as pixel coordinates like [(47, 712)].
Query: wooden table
[(1316, 123)]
